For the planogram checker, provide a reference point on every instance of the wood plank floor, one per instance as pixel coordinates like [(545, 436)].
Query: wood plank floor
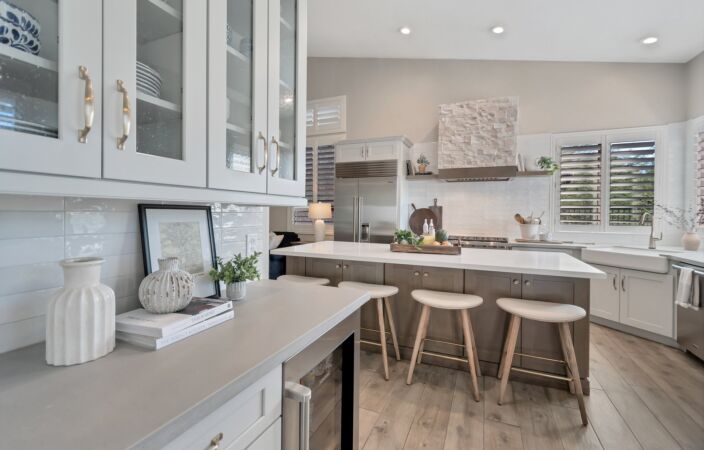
[(644, 395)]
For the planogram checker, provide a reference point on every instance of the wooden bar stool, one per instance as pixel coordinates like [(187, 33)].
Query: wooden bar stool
[(558, 313), (381, 294), (447, 300), (302, 279)]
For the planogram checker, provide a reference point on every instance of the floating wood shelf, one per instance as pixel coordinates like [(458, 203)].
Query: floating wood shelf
[(432, 176), (533, 173)]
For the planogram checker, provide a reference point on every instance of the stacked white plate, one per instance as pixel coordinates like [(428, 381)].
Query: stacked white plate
[(148, 80), (24, 126)]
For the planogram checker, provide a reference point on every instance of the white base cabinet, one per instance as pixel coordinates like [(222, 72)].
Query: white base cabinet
[(250, 420), (642, 300)]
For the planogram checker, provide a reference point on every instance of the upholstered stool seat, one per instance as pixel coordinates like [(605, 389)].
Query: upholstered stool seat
[(541, 311), (449, 301), (381, 293), (375, 290), (302, 279), (561, 315), (446, 300)]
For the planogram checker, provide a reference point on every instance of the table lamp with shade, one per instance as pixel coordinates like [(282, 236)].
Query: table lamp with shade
[(318, 212)]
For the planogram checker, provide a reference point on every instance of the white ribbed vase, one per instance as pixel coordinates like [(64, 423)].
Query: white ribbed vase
[(167, 290), (80, 320)]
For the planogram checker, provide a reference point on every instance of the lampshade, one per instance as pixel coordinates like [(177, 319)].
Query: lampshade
[(319, 211)]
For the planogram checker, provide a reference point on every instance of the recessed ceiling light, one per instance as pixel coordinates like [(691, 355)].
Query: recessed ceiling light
[(497, 29), (650, 40), (405, 30)]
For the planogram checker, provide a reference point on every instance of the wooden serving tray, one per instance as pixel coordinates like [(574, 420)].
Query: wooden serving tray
[(430, 249)]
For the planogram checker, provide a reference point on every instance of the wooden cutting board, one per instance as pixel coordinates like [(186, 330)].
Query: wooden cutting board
[(437, 210), (418, 217)]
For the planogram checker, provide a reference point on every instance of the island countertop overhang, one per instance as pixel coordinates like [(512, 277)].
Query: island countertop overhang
[(492, 260)]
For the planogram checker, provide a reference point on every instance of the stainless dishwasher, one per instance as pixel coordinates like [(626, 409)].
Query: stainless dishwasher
[(690, 322)]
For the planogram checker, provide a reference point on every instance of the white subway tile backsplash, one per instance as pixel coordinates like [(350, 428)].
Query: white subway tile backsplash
[(37, 232), (101, 222), (102, 244), (17, 252), (26, 224)]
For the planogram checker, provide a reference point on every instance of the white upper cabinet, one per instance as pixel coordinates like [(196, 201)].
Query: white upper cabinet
[(382, 149), (237, 103), (155, 91), (287, 97), (256, 99), (50, 85)]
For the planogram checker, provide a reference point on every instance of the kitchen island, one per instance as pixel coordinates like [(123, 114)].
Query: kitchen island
[(491, 274)]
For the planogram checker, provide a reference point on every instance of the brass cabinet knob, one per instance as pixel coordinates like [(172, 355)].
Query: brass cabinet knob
[(416, 273), (527, 283), (345, 266), (516, 282), (425, 274), (337, 266)]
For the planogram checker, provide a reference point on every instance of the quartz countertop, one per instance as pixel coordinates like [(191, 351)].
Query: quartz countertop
[(548, 244), (527, 262), (140, 398)]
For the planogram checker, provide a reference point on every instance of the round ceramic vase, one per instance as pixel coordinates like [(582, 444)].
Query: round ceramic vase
[(80, 320), (691, 241), (167, 290), (236, 291)]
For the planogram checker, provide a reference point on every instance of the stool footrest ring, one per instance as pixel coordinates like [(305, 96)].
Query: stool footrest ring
[(542, 374), (542, 358)]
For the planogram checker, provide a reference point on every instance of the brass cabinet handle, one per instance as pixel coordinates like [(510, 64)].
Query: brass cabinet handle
[(88, 105), (278, 155), (215, 442), (623, 283), (126, 115), (361, 152), (614, 283), (266, 152)]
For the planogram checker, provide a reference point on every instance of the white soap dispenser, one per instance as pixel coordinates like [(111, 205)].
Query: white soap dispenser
[(425, 226)]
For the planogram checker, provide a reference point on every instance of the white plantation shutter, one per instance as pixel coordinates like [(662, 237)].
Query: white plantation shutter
[(631, 182), (700, 170), (580, 184), (326, 181), (326, 116)]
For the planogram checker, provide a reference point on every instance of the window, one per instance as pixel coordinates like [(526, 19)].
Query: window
[(325, 125), (606, 181)]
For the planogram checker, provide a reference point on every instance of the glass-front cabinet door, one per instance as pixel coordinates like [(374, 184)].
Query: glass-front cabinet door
[(155, 91), (50, 84), (287, 97), (237, 94)]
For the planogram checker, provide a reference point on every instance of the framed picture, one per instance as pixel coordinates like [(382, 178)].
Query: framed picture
[(183, 231)]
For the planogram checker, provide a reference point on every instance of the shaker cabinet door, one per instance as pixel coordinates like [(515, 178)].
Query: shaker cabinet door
[(604, 294), (237, 95), (647, 301), (50, 89), (287, 98), (155, 91)]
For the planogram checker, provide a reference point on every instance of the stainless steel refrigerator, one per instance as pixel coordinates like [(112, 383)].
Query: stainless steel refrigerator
[(366, 201)]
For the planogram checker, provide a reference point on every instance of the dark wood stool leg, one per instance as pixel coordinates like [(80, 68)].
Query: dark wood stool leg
[(508, 357)]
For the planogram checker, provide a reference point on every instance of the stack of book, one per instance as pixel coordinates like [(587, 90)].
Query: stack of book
[(155, 331)]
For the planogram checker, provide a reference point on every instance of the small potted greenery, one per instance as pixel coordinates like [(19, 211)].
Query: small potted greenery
[(547, 164), (422, 163), (235, 273)]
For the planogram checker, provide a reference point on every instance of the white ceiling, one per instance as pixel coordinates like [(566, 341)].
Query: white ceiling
[(541, 30)]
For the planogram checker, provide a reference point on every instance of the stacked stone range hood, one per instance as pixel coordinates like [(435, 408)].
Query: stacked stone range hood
[(477, 140)]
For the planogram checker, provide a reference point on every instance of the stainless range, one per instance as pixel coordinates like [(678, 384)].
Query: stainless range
[(480, 242)]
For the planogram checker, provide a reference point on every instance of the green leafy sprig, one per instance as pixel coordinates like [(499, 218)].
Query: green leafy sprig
[(239, 268)]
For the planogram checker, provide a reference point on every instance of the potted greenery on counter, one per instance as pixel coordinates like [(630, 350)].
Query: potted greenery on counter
[(235, 273)]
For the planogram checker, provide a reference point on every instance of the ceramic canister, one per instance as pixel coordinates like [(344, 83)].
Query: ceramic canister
[(80, 320), (167, 290)]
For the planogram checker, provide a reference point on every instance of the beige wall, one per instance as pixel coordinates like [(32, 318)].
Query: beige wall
[(397, 96), (695, 87)]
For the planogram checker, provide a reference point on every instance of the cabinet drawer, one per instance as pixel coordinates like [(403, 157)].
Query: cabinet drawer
[(240, 420)]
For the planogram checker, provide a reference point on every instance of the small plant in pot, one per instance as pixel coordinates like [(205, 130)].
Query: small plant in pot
[(422, 163), (235, 273)]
